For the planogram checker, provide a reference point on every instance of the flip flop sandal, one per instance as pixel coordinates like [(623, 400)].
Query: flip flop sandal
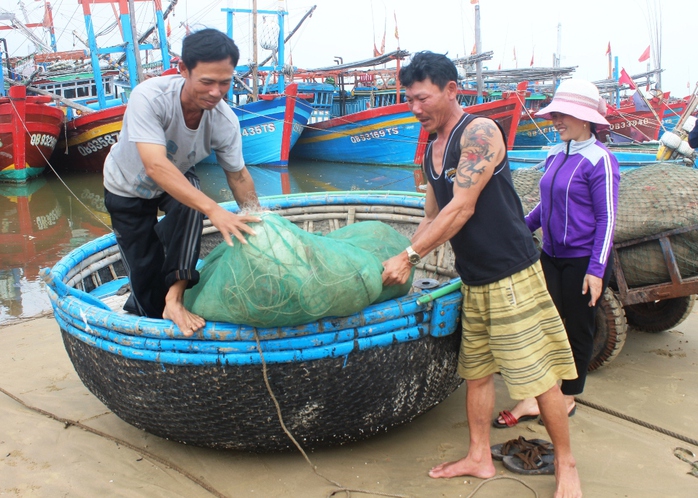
[(530, 462), (569, 414), (510, 420), (514, 446)]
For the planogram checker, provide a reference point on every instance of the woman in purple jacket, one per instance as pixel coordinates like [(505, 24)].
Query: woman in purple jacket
[(577, 214)]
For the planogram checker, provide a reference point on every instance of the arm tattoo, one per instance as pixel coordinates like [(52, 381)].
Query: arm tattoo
[(475, 144)]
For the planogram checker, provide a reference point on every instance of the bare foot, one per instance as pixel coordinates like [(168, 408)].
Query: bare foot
[(567, 479), (187, 321), (525, 407), (463, 467)]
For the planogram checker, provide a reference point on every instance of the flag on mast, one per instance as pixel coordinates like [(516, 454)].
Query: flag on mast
[(608, 50), (397, 36), (645, 55), (385, 28), (626, 79)]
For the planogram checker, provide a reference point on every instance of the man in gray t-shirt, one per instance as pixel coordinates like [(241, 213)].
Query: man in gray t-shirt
[(171, 123)]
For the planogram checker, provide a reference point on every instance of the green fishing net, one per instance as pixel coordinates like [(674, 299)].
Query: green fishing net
[(287, 276)]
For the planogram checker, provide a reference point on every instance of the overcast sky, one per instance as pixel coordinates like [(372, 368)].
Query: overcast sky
[(530, 29)]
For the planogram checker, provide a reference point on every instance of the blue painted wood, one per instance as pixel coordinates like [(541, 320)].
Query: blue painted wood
[(626, 160), (385, 135)]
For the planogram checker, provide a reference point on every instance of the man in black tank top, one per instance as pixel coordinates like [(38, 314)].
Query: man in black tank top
[(471, 202)]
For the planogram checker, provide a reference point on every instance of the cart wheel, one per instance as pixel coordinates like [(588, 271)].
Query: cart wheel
[(611, 329), (658, 316)]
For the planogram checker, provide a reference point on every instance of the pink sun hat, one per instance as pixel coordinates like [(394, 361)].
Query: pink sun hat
[(577, 98)]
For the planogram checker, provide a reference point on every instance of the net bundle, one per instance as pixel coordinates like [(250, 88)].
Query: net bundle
[(285, 276), (652, 200), (526, 182)]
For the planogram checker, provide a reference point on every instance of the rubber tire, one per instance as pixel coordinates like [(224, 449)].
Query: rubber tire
[(658, 316), (611, 331)]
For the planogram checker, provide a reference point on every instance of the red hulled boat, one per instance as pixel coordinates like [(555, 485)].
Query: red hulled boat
[(88, 139), (29, 129)]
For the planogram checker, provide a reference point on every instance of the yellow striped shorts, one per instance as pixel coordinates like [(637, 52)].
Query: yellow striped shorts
[(512, 327)]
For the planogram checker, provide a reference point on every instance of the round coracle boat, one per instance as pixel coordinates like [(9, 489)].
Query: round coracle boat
[(336, 380)]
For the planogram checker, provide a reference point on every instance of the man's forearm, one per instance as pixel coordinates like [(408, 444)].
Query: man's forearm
[(243, 189)]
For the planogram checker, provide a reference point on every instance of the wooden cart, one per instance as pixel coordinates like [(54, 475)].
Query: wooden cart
[(650, 308)]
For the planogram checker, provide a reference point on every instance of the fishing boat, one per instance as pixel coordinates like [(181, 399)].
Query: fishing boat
[(535, 131), (87, 139), (391, 134), (638, 119), (89, 134), (29, 130), (274, 114), (271, 126), (334, 381)]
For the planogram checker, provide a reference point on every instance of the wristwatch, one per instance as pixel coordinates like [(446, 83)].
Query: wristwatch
[(412, 256)]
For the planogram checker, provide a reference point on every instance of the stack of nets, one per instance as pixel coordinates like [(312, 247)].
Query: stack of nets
[(285, 276), (651, 200), (655, 199), (526, 182)]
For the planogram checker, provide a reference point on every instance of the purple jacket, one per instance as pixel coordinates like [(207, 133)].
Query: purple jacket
[(578, 202)]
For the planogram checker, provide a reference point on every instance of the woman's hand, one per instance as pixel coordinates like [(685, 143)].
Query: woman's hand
[(593, 285)]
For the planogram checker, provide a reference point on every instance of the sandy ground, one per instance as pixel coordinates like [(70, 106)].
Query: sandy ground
[(655, 380)]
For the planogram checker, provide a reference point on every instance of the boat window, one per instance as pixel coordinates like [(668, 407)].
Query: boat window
[(94, 90), (82, 92), (69, 93)]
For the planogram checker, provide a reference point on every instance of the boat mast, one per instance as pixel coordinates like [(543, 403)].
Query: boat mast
[(129, 48), (134, 37), (255, 74), (48, 16), (25, 29), (558, 56), (278, 68), (478, 49)]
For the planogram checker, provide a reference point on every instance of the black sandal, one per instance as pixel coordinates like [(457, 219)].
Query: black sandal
[(519, 445)]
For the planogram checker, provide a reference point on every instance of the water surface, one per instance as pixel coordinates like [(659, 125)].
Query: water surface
[(43, 220)]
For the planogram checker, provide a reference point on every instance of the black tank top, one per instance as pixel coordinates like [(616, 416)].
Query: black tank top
[(495, 242)]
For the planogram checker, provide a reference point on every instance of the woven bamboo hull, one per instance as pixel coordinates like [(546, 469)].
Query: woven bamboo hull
[(325, 402), (336, 380)]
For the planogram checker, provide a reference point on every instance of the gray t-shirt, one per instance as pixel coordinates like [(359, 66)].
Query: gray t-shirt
[(154, 115)]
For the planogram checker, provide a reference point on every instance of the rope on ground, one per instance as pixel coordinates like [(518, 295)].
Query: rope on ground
[(341, 489), (637, 421), (496, 478), (151, 456)]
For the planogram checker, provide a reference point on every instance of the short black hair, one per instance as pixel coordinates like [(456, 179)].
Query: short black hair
[(208, 45), (437, 67)]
